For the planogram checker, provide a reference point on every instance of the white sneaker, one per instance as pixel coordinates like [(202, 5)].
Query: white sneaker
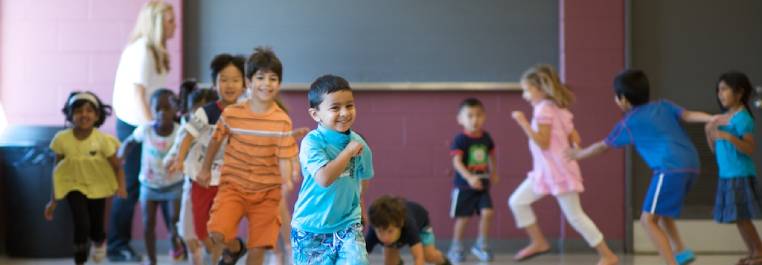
[(99, 252)]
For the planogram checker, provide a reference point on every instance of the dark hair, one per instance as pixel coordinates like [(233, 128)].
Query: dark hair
[(221, 61), (187, 87), (632, 84), (325, 85), (263, 59), (740, 84), (161, 92), (387, 211), (201, 95), (69, 107), (470, 103)]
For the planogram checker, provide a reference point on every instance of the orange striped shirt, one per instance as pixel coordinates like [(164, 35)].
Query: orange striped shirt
[(255, 143)]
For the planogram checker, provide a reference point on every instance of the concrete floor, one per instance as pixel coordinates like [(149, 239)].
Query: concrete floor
[(572, 259)]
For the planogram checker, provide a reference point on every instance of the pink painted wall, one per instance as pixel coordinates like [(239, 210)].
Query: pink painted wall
[(49, 48)]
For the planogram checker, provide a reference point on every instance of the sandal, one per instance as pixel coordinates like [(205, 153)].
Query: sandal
[(233, 257)]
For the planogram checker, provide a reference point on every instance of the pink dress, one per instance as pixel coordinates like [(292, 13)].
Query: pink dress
[(552, 172)]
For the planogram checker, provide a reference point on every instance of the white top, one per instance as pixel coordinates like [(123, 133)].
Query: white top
[(202, 131), (153, 173), (137, 66)]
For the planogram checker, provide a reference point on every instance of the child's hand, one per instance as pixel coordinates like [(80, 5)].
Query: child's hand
[(50, 208), (519, 116), (121, 192), (354, 148), (299, 133), (475, 183), (494, 179), (204, 177), (175, 165)]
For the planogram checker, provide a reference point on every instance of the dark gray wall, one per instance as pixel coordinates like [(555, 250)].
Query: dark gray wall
[(378, 41), (684, 46)]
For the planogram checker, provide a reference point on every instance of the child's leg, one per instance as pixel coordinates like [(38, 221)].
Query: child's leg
[(458, 229), (392, 256), (149, 227), (202, 200), (650, 223), (80, 215), (225, 215), (256, 256), (520, 203), (485, 220), (263, 214), (97, 211), (672, 234), (572, 209), (750, 237)]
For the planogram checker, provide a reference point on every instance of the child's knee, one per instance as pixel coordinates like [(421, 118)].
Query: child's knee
[(216, 238), (487, 213), (647, 219)]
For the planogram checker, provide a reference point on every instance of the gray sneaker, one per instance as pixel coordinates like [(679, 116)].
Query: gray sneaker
[(484, 254), (456, 255)]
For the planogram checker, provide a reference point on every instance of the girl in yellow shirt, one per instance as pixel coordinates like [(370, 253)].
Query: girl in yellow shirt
[(86, 172)]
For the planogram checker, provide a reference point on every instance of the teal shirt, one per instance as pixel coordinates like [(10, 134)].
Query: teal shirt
[(731, 162), (336, 207)]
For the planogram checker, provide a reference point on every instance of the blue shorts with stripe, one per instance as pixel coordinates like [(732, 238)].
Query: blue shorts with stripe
[(666, 193)]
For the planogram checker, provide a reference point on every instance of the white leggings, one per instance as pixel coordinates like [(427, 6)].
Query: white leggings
[(521, 205)]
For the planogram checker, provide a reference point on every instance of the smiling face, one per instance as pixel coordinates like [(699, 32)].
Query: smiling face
[(230, 84), (84, 116), (264, 85), (336, 112)]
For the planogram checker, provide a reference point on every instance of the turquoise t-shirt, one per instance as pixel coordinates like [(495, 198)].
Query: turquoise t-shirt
[(733, 163), (336, 207)]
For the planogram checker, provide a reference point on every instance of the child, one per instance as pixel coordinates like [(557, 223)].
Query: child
[(87, 171), (257, 162), (187, 229), (158, 188), (396, 223), (474, 163), (654, 128), (550, 134), (228, 79), (738, 193), (336, 165)]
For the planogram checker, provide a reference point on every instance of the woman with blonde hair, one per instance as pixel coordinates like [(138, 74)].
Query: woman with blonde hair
[(142, 69)]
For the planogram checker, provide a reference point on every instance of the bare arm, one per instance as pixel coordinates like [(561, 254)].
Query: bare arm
[(590, 151), (116, 165), (326, 175), (205, 175), (51, 206), (126, 148), (143, 101), (284, 165), (575, 139), (364, 188), (696, 116), (417, 252), (177, 163), (494, 178), (744, 145), (541, 137)]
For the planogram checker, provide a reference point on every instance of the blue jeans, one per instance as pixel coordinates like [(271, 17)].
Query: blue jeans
[(343, 247)]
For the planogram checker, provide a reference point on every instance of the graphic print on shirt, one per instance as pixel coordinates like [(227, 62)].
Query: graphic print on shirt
[(478, 160)]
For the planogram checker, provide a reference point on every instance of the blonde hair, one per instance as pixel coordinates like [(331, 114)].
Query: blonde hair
[(150, 25), (544, 77)]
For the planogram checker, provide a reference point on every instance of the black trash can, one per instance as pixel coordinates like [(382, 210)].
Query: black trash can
[(26, 166)]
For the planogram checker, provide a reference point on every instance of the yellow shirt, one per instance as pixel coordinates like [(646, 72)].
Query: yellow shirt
[(85, 166)]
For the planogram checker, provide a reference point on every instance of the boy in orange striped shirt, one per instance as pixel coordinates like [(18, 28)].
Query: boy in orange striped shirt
[(257, 164)]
